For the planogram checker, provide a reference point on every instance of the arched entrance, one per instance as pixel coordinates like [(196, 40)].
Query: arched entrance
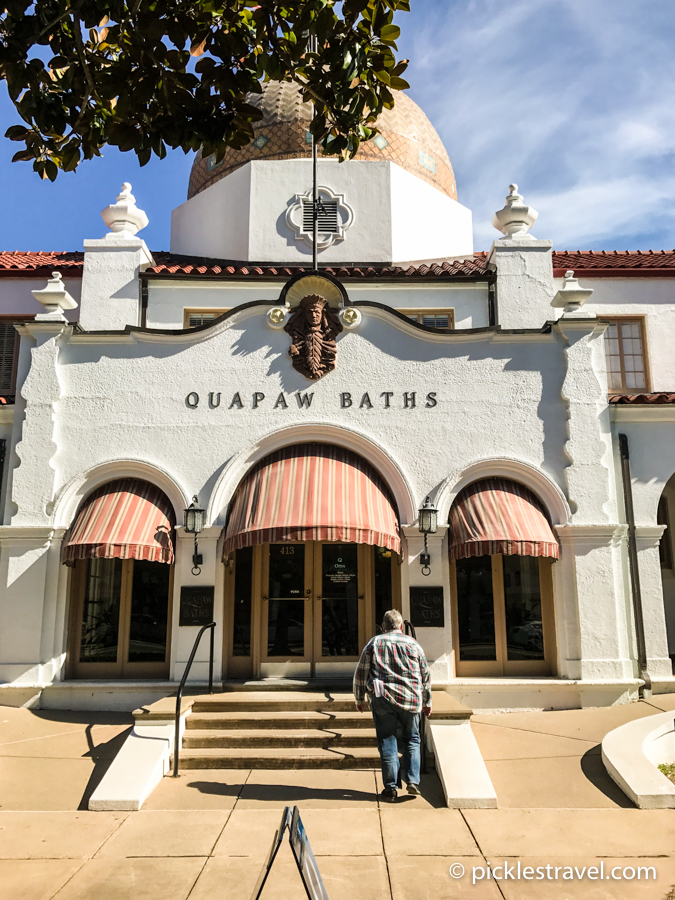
[(665, 517), (502, 549), (312, 549), (120, 548)]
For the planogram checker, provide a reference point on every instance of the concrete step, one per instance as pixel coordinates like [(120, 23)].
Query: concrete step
[(274, 701), (279, 758), (328, 739), (290, 720), (297, 685)]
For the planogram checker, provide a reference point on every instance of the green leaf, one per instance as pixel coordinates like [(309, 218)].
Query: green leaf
[(16, 132), (390, 33), (23, 156), (399, 84)]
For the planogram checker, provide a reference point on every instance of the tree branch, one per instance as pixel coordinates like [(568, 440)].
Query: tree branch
[(83, 60), (64, 15)]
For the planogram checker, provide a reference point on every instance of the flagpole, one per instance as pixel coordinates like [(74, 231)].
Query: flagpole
[(313, 47), (315, 208)]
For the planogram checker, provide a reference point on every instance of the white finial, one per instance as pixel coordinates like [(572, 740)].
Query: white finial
[(571, 297), (55, 298), (124, 218), (515, 219)]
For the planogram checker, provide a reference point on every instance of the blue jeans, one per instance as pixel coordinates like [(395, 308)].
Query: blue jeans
[(388, 718)]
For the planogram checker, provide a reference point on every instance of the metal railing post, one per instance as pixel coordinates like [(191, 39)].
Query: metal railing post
[(211, 639), (179, 695)]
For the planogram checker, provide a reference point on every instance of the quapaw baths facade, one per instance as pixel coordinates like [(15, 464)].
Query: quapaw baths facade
[(311, 415)]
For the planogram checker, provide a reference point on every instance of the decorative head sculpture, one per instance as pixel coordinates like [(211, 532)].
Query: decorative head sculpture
[(313, 327)]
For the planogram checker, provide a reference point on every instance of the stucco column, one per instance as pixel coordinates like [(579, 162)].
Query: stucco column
[(590, 476), (653, 609), (595, 580), (110, 285), (183, 637), (32, 605), (33, 479), (437, 642), (524, 281)]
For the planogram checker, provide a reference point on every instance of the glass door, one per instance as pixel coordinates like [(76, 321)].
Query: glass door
[(313, 610), (287, 610), (339, 605), (304, 609), (120, 619)]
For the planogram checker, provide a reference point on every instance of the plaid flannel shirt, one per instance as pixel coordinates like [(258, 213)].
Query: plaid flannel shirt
[(399, 662)]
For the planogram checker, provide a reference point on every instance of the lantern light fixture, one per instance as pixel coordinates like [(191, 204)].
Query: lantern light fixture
[(194, 519), (428, 524)]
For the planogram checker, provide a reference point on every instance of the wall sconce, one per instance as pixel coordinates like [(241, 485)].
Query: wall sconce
[(428, 519), (193, 522)]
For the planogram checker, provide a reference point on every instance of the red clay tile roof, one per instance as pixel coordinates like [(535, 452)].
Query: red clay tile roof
[(657, 399), (591, 263), (617, 263), (182, 265), (16, 262)]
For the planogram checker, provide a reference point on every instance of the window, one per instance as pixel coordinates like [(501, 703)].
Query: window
[(625, 352), (193, 318), (503, 620), (433, 318), (243, 584), (120, 618), (9, 345)]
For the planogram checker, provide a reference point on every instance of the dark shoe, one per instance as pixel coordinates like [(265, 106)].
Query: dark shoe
[(414, 789), (389, 795)]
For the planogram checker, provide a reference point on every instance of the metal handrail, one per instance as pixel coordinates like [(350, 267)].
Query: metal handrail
[(410, 630), (179, 695)]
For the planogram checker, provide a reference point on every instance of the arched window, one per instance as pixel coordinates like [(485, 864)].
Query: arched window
[(501, 549), (121, 549)]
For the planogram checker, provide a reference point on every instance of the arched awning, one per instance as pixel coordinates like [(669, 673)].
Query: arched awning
[(497, 515), (312, 492), (127, 519)]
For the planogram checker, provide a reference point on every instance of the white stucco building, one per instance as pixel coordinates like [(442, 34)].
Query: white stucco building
[(477, 379)]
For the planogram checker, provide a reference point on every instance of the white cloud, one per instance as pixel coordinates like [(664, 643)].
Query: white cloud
[(571, 99)]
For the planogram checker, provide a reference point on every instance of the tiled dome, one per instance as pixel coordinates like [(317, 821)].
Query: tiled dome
[(406, 137)]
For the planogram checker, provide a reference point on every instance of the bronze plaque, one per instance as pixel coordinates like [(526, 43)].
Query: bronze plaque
[(196, 605), (426, 607)]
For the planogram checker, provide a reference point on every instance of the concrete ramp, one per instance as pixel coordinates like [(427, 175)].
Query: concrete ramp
[(458, 760)]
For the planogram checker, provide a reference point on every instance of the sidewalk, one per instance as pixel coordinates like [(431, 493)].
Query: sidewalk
[(205, 835)]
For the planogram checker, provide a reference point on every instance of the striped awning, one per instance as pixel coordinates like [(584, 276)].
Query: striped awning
[(496, 515), (312, 492), (127, 519)]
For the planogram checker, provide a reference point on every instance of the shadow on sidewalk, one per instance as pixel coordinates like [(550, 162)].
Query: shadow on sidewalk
[(290, 794), (594, 769), (217, 788)]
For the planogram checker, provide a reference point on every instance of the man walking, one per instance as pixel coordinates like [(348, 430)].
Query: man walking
[(393, 671)]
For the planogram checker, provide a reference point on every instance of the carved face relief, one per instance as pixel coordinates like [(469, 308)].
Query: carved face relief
[(313, 328)]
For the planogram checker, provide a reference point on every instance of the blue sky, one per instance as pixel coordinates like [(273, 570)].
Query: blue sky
[(571, 99)]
